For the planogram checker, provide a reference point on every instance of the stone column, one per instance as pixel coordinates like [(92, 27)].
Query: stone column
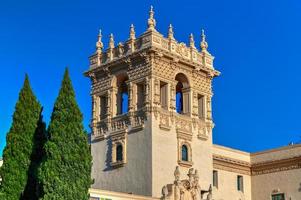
[(172, 97), (147, 94)]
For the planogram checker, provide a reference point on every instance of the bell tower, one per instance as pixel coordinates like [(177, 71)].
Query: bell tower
[(151, 111)]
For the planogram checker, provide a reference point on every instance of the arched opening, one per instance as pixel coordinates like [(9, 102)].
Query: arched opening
[(119, 153), (182, 94), (122, 96), (179, 97), (184, 153)]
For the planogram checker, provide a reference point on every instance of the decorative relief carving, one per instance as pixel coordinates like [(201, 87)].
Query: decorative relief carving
[(120, 123), (139, 70), (172, 98), (156, 92), (183, 124), (164, 121), (204, 129), (138, 123), (188, 189)]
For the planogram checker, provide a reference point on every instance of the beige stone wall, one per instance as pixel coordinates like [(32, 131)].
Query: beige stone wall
[(135, 176), (287, 182), (165, 158), (227, 187), (233, 163), (273, 171), (277, 171)]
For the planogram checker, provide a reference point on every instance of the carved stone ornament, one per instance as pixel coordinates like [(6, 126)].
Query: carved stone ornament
[(187, 189)]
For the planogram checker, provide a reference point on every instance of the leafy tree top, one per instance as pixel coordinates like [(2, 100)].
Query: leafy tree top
[(66, 172), (19, 143)]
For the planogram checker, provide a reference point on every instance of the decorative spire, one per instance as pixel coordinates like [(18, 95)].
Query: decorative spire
[(120, 49), (132, 32), (190, 175), (196, 176), (177, 174), (99, 44), (151, 22), (111, 42), (170, 32), (191, 41), (204, 44)]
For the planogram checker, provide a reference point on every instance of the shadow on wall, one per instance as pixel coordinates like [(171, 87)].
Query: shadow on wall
[(108, 156)]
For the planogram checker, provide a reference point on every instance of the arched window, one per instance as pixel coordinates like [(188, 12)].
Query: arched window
[(119, 153), (124, 102), (122, 96), (184, 153), (182, 94), (179, 97)]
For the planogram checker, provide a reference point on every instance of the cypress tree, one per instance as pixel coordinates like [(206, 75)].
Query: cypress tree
[(66, 171), (19, 144)]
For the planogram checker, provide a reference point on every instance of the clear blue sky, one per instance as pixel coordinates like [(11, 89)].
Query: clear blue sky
[(256, 44)]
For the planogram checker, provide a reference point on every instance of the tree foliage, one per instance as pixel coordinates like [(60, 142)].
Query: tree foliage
[(65, 172), (20, 144)]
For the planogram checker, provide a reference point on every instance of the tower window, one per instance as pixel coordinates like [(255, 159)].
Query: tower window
[(140, 95), (240, 183), (119, 153), (182, 94), (124, 102), (122, 97), (103, 107), (201, 106), (215, 178), (163, 95), (179, 97), (184, 153)]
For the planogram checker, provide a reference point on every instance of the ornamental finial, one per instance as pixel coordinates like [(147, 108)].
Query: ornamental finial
[(132, 32), (111, 42), (191, 41), (204, 44), (177, 174), (151, 22), (170, 32), (99, 44)]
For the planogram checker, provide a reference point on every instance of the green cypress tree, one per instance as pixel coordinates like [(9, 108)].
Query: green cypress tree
[(66, 171), (19, 144)]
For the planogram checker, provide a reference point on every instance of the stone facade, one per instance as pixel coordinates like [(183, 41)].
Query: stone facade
[(151, 112)]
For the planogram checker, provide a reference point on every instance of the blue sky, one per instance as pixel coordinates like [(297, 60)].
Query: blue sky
[(256, 103)]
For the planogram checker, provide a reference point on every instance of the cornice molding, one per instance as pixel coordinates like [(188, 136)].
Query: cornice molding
[(231, 165), (276, 166), (243, 167)]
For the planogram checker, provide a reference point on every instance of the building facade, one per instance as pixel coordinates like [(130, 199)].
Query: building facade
[(152, 127)]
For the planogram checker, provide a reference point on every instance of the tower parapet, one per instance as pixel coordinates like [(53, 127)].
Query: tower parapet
[(201, 60)]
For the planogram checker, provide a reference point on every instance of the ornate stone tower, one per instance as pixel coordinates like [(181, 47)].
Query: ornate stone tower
[(151, 99)]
